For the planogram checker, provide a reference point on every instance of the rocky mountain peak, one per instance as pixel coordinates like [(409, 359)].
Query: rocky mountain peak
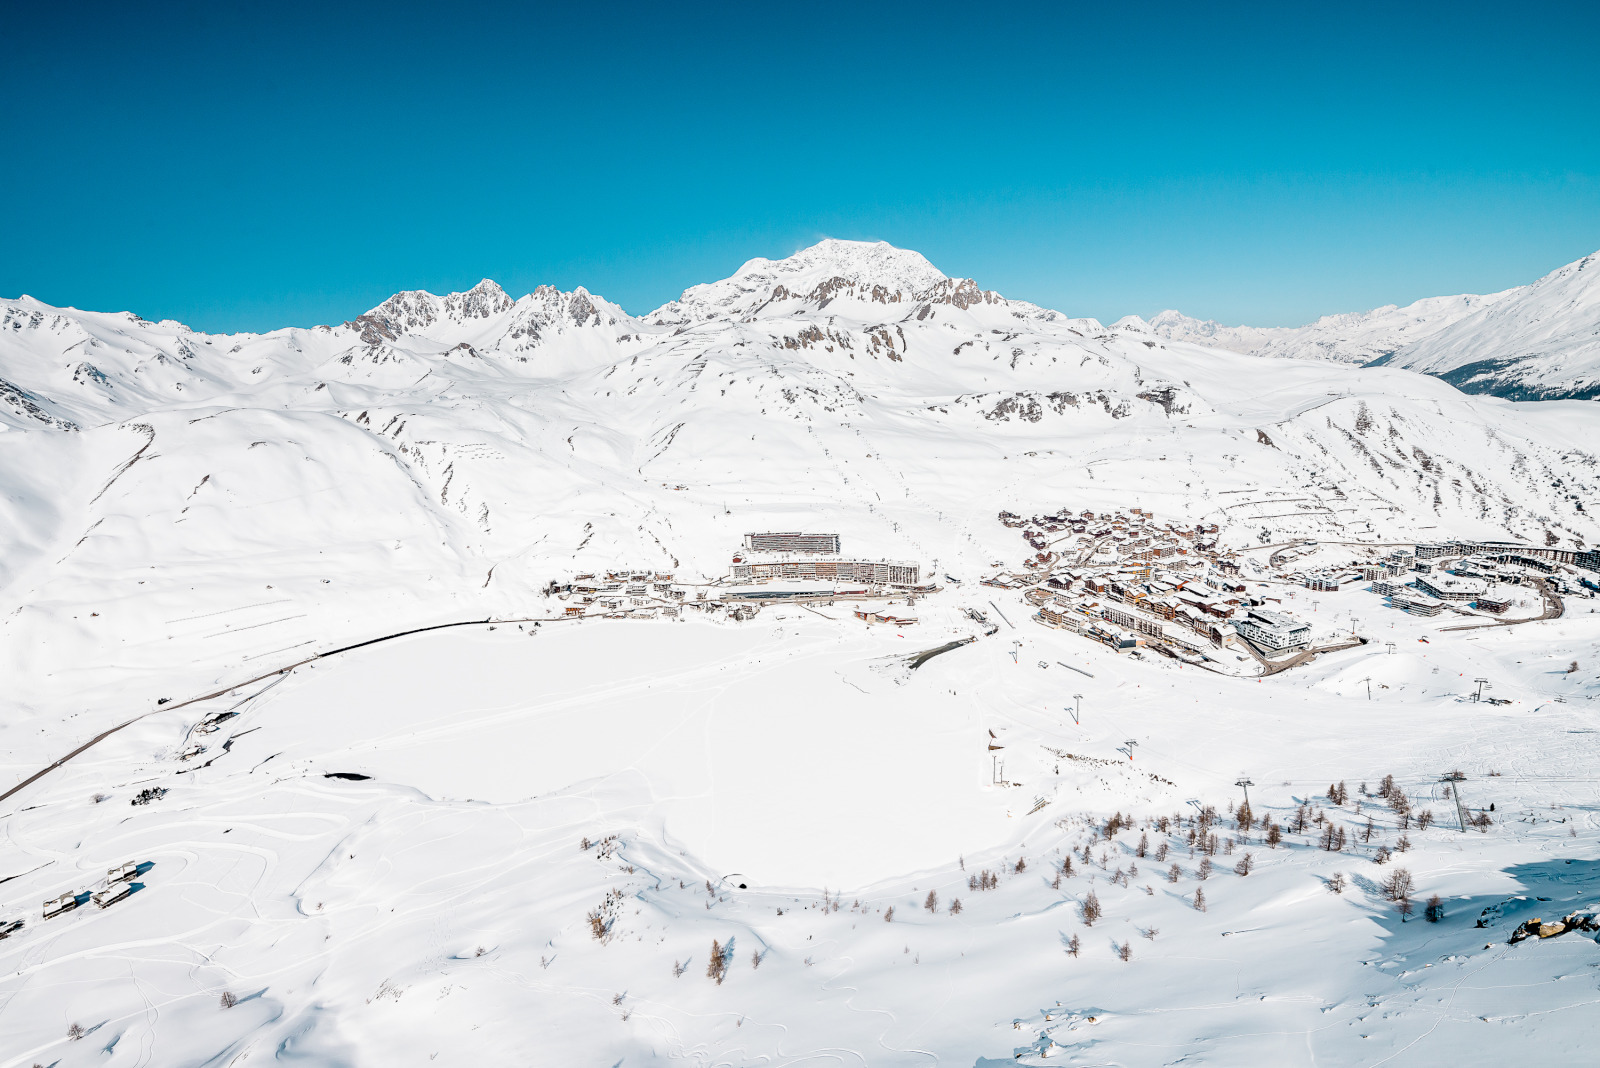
[(413, 311)]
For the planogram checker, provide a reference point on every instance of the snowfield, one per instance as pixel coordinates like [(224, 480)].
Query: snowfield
[(517, 840)]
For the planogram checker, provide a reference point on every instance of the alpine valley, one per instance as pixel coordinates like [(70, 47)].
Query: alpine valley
[(432, 676)]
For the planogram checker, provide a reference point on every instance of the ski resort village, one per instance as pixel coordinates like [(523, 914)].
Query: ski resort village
[(1135, 586), (841, 664)]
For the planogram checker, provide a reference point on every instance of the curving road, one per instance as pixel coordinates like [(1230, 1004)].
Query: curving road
[(103, 735)]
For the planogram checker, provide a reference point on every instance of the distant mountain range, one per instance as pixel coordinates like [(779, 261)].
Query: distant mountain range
[(1535, 342)]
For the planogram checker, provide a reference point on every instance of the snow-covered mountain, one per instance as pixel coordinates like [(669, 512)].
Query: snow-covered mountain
[(1534, 342), (476, 437), (1542, 341), (531, 834), (1352, 337)]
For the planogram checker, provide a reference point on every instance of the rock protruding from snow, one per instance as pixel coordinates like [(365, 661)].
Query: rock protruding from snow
[(415, 310), (487, 320)]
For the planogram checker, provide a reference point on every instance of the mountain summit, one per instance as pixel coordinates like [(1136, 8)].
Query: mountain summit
[(869, 270)]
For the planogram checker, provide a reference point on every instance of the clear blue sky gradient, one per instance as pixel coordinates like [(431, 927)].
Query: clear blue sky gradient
[(280, 164)]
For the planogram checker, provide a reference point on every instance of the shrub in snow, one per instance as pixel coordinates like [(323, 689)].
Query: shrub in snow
[(717, 966)]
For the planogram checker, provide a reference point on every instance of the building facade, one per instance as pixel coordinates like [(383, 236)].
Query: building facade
[(1273, 630), (792, 542), (1452, 587), (873, 572)]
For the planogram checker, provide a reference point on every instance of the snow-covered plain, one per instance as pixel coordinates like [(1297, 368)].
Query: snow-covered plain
[(229, 506)]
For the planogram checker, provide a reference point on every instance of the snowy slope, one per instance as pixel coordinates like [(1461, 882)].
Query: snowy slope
[(1541, 342), (182, 512), (556, 829), (1534, 342), (1352, 337)]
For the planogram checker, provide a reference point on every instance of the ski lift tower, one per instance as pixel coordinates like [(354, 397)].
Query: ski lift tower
[(1455, 779), (1244, 783)]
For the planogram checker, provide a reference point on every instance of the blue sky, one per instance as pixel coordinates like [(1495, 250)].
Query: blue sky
[(283, 164)]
